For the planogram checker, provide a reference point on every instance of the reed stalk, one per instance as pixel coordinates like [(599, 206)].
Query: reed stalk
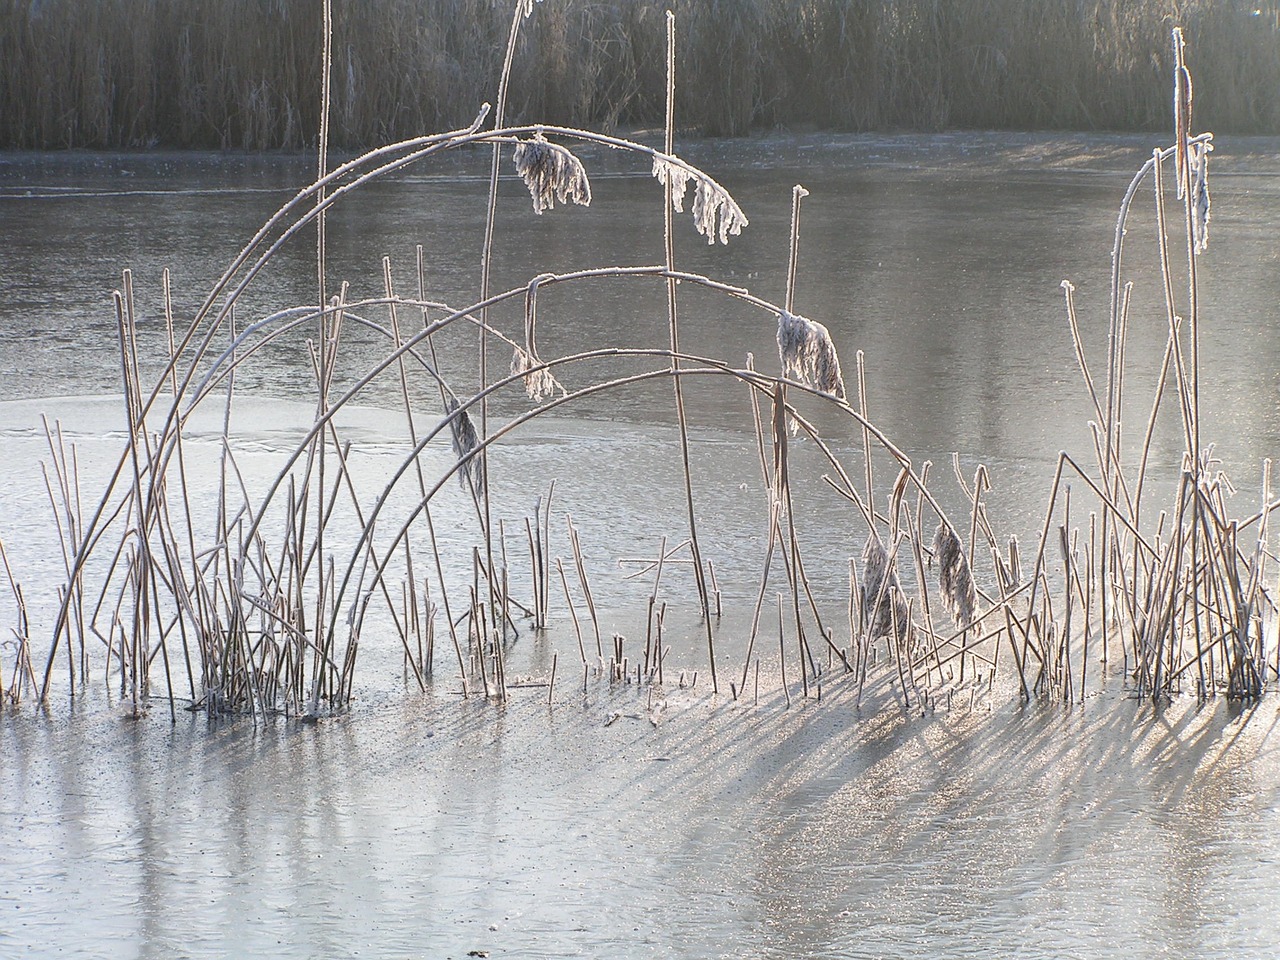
[(668, 206), (277, 620)]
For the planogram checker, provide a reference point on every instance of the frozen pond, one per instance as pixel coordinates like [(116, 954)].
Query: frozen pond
[(618, 819)]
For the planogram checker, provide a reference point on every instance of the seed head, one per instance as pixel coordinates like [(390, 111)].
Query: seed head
[(465, 443), (954, 576), (808, 354), (551, 173), (715, 213)]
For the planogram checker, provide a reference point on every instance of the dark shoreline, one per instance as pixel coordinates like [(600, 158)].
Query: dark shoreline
[(246, 74), (998, 151)]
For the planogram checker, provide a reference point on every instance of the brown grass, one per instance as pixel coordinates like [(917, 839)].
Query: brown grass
[(245, 73)]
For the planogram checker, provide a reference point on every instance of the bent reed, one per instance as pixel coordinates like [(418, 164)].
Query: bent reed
[(243, 74), (263, 607)]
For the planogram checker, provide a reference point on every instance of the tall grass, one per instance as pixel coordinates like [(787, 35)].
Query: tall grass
[(244, 73), (263, 607)]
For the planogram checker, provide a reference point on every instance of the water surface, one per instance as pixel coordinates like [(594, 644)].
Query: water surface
[(620, 822)]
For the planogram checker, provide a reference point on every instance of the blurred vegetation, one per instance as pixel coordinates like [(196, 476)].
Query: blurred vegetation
[(246, 73)]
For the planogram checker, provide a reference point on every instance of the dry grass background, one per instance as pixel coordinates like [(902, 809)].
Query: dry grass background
[(245, 73)]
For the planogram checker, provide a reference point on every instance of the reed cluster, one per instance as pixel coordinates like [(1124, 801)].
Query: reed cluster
[(243, 73), (260, 603), (1184, 593)]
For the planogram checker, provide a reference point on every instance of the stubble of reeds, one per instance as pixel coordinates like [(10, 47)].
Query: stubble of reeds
[(1184, 600), (258, 622)]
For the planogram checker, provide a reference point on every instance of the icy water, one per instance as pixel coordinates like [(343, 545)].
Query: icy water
[(421, 829), (604, 823)]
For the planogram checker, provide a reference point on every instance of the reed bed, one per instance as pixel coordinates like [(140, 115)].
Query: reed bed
[(243, 74), (201, 593)]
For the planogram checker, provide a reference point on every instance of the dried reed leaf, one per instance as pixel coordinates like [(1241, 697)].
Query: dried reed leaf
[(465, 444), (793, 342), (826, 365), (808, 354), (875, 564), (541, 382), (954, 576), (537, 383), (715, 213), (1200, 195), (551, 173)]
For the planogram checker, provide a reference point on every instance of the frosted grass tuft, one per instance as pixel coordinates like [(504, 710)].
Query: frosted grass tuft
[(808, 353), (954, 575), (551, 172), (715, 213), (538, 383), (465, 444)]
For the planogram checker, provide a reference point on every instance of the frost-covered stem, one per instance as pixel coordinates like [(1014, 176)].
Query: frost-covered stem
[(669, 242), (1182, 82), (326, 67), (797, 192), (486, 262), (1115, 345), (1171, 310), (431, 529), (1184, 188), (866, 436), (323, 372)]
